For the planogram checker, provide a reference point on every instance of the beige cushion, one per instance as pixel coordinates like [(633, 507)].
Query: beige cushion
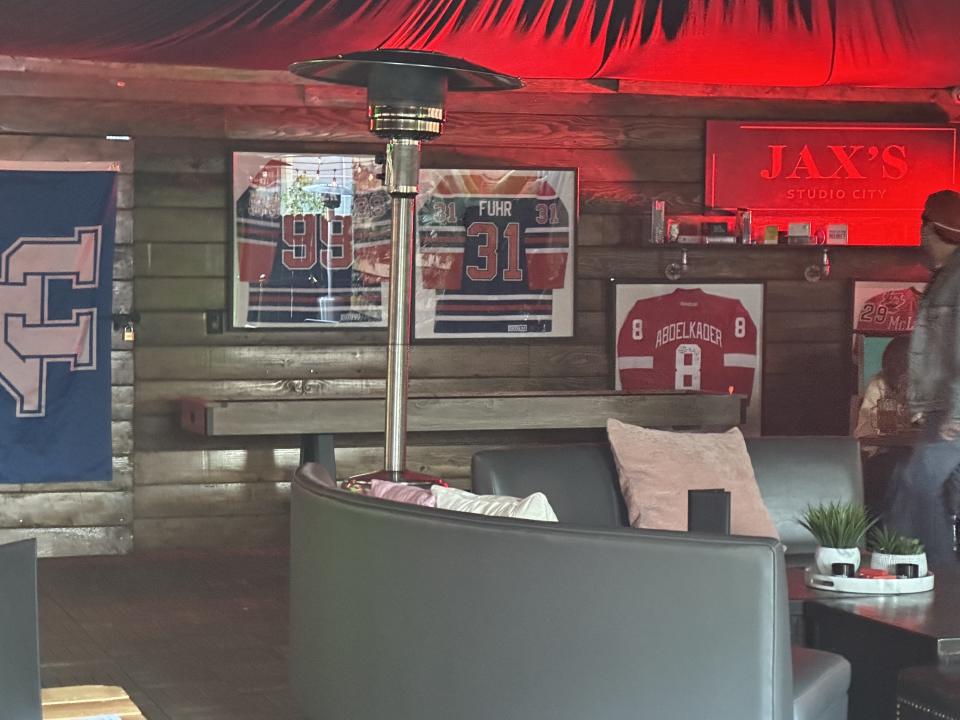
[(657, 468), (532, 507)]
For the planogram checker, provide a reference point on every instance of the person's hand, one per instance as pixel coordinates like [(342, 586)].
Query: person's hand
[(950, 430)]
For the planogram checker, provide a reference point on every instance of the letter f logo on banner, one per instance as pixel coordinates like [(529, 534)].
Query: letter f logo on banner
[(29, 338)]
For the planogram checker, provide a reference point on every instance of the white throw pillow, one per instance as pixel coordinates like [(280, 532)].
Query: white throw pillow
[(532, 507)]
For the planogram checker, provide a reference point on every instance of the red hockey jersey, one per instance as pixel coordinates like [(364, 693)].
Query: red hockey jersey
[(891, 311), (687, 340)]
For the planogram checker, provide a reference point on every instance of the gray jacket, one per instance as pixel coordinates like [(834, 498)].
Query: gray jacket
[(934, 360)]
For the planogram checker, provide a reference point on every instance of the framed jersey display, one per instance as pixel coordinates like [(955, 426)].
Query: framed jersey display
[(696, 338), (495, 253), (311, 239), (881, 311), (885, 308)]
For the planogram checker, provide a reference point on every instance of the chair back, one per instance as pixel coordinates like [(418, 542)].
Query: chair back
[(399, 611), (19, 646)]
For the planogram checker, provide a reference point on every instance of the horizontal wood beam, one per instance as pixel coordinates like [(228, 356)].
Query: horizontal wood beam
[(603, 86), (519, 411)]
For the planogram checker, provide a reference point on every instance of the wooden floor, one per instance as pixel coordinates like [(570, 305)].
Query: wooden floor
[(189, 635)]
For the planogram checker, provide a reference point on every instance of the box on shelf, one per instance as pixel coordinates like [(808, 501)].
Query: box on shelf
[(837, 234)]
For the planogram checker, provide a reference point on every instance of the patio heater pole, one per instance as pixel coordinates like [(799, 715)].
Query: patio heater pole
[(406, 93)]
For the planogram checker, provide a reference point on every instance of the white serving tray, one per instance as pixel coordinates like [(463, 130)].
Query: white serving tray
[(867, 586)]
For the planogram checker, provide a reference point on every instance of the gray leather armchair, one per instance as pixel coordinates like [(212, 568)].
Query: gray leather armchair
[(412, 613)]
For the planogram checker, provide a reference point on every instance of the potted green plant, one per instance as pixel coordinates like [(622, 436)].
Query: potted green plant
[(889, 549), (840, 530)]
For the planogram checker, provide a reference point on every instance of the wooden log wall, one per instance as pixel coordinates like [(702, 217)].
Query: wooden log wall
[(190, 490), (81, 518)]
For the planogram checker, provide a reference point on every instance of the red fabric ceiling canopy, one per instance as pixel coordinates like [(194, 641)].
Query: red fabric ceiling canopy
[(888, 43)]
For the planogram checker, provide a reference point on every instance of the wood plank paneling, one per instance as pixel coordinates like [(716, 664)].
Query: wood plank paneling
[(282, 362), (124, 235), (55, 116), (45, 148), (138, 89), (190, 225), (122, 436), (790, 296), (121, 368), (122, 295), (180, 293), (62, 542), (181, 259), (664, 164), (478, 129), (123, 262), (814, 358), (791, 327), (181, 190), (65, 509), (634, 198), (157, 397), (122, 402), (189, 328)]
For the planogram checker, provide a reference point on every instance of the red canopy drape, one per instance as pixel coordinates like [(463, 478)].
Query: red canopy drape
[(890, 43)]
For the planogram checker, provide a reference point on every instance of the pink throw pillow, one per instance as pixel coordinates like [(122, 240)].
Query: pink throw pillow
[(401, 493), (657, 467)]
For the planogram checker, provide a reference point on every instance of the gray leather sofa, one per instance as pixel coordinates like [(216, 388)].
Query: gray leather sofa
[(582, 485), (414, 613)]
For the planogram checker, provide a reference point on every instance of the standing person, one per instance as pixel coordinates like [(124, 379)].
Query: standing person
[(919, 508)]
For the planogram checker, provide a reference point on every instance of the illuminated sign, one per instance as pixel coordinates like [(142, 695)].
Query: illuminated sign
[(873, 178)]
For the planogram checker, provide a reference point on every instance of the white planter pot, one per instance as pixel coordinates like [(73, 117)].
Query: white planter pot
[(884, 561), (825, 557)]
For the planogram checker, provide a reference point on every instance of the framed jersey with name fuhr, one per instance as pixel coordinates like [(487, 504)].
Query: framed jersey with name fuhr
[(697, 338), (311, 241), (495, 253)]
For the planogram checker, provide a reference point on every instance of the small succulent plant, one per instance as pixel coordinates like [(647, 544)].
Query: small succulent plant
[(884, 540)]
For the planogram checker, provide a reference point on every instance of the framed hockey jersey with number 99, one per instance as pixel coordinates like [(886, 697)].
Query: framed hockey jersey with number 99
[(691, 338), (495, 253)]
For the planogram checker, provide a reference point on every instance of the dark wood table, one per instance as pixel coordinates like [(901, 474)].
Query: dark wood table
[(882, 634)]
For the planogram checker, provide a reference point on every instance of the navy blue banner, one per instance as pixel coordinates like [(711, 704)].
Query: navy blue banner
[(56, 276)]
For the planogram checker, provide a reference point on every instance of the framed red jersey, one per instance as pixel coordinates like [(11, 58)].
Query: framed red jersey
[(885, 308), (695, 338)]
